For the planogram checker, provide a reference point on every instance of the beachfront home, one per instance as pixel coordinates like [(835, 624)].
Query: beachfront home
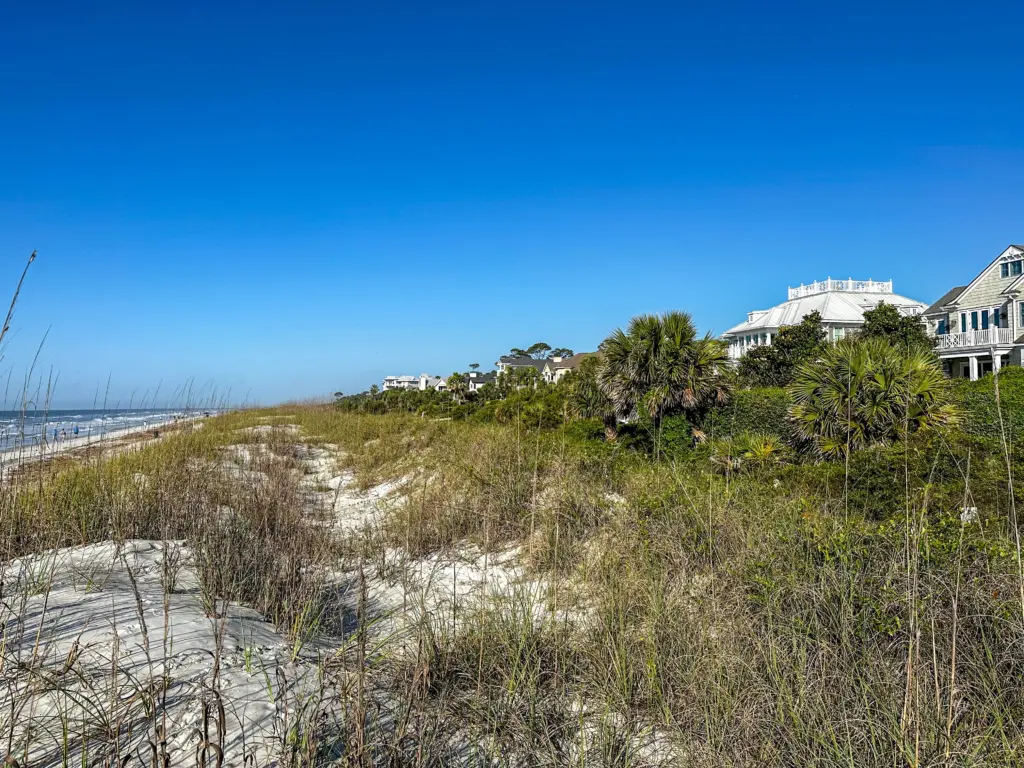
[(401, 382), (477, 379), (506, 363), (557, 367), (979, 327), (422, 382), (841, 304), (430, 382)]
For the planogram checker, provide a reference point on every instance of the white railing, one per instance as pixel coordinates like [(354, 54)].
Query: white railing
[(856, 286), (990, 337)]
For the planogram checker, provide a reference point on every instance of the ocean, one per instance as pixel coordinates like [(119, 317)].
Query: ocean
[(19, 429)]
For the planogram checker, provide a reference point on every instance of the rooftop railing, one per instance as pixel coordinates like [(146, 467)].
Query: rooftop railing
[(850, 285)]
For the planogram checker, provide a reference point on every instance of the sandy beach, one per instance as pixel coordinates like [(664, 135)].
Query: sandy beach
[(49, 449)]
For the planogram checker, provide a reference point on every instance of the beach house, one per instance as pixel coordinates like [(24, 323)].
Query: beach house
[(478, 380), (508, 362), (401, 382), (979, 327), (841, 304), (555, 368)]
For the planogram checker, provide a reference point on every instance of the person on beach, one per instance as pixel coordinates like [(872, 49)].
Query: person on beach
[(63, 434), (76, 430)]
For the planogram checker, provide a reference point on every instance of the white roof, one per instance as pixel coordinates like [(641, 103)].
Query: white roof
[(835, 308)]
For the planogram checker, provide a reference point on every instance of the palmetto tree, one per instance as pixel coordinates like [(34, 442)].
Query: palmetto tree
[(659, 364), (864, 392), (458, 386), (587, 399)]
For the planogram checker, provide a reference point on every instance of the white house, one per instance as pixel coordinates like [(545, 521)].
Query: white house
[(979, 327), (426, 381), (401, 382), (841, 304), (421, 382), (555, 368), (477, 379)]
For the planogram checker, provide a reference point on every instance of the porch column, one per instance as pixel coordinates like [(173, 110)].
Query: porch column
[(997, 362), (973, 360)]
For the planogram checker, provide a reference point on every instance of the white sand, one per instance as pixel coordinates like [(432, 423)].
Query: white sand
[(100, 645), (90, 615)]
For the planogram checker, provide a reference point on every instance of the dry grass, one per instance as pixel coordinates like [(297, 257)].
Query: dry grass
[(669, 615)]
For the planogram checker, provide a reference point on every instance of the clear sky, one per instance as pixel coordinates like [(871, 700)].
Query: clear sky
[(284, 199)]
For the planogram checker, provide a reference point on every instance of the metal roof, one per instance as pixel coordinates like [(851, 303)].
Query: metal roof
[(835, 307)]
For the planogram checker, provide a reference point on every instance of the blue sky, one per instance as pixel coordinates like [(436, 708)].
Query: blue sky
[(282, 200)]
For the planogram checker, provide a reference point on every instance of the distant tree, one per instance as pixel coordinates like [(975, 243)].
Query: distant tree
[(587, 399), (886, 322), (775, 365), (539, 350), (474, 366), (374, 389), (458, 386), (517, 352), (525, 376), (517, 378), (560, 352), (338, 395), (659, 365)]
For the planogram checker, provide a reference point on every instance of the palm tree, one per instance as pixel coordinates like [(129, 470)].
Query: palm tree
[(659, 364), (587, 399), (863, 392), (458, 386)]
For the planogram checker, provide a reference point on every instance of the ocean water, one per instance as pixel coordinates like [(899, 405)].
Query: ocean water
[(19, 429)]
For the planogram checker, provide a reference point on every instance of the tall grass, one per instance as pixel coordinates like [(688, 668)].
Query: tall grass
[(757, 618), (667, 614)]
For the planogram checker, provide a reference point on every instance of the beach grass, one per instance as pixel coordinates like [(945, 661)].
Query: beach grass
[(647, 612)]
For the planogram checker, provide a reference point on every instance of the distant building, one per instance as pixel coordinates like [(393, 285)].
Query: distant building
[(401, 382), (508, 362), (557, 367), (979, 327), (841, 304), (477, 379), (426, 381), (422, 382)]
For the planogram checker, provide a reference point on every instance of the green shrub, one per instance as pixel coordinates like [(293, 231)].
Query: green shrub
[(977, 401), (763, 410)]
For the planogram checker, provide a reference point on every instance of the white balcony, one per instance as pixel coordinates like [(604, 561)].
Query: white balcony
[(990, 337)]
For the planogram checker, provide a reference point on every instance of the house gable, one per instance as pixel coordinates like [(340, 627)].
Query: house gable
[(987, 288)]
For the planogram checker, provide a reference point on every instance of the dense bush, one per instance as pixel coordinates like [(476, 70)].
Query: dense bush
[(762, 410), (977, 402)]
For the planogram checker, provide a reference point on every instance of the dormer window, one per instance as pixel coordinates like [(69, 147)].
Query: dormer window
[(1011, 268)]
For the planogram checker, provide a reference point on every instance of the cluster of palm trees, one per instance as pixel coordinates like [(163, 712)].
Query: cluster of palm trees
[(856, 393)]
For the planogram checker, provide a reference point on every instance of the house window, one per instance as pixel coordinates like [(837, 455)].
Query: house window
[(995, 317), (1016, 267), (1021, 305), (974, 320), (984, 319), (942, 328), (1004, 269), (963, 322)]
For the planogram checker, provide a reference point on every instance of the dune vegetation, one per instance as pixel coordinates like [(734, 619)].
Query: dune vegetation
[(654, 562)]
